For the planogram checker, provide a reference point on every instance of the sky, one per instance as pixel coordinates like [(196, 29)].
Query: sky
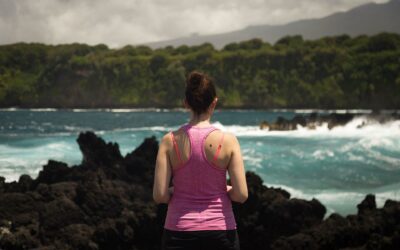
[(121, 22)]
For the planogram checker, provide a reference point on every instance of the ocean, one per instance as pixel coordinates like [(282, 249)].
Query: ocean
[(338, 167)]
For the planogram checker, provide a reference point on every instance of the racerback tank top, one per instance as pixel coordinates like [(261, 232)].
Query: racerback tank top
[(200, 200)]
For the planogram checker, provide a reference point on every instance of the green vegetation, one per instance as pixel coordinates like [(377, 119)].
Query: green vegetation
[(332, 72)]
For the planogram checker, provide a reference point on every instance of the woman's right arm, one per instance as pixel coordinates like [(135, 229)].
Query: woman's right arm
[(238, 192), (162, 176)]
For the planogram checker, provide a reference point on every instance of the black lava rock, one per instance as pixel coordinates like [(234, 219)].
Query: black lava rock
[(106, 203)]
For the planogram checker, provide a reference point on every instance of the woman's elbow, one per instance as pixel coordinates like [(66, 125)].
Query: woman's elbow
[(243, 198), (160, 198), (157, 199), (239, 197)]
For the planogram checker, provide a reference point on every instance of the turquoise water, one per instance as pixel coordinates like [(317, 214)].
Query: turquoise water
[(337, 166)]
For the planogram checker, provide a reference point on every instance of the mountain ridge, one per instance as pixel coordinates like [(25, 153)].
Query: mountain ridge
[(369, 19)]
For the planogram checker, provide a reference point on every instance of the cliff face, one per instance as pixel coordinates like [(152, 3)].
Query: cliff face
[(106, 203)]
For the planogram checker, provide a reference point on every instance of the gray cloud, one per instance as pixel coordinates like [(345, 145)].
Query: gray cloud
[(121, 22)]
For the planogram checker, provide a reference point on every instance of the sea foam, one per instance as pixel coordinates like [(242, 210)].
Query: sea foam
[(358, 127), (343, 202)]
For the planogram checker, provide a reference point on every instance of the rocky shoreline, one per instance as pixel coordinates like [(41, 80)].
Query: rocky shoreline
[(314, 120), (106, 203)]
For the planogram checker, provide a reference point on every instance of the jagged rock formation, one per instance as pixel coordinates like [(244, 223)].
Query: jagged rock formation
[(106, 203)]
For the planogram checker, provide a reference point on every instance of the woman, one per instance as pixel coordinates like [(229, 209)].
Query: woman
[(198, 156)]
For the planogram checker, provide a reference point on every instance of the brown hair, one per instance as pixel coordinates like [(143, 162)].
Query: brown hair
[(200, 92)]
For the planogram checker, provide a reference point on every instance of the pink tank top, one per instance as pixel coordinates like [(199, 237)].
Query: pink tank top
[(200, 200)]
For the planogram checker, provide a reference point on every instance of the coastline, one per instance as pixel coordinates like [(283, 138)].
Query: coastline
[(168, 109), (105, 202)]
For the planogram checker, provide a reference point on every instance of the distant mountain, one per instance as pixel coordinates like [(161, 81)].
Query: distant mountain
[(368, 19)]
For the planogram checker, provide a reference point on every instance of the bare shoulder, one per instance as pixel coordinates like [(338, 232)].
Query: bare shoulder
[(231, 139), (166, 140), (178, 132), (166, 137)]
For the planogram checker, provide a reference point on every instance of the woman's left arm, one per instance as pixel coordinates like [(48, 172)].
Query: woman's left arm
[(162, 175)]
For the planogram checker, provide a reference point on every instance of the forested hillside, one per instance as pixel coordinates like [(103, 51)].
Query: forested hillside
[(332, 72)]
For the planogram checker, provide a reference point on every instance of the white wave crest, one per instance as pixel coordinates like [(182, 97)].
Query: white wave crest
[(322, 154), (358, 127), (125, 110), (43, 109), (32, 109), (15, 161), (150, 128), (343, 202)]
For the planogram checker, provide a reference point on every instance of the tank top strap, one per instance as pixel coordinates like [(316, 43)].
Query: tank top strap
[(219, 148), (176, 148)]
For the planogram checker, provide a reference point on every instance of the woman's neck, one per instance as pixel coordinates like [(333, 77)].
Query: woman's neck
[(201, 120)]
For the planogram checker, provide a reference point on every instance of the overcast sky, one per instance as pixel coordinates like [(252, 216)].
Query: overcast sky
[(120, 22)]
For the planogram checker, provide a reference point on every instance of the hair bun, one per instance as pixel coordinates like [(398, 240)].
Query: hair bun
[(195, 79), (200, 92)]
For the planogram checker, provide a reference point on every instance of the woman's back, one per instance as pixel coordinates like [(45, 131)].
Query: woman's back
[(197, 158), (200, 200), (210, 145)]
